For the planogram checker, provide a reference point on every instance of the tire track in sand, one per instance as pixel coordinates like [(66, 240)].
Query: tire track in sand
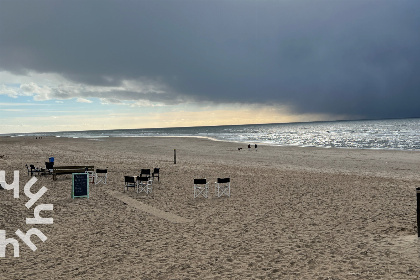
[(148, 209)]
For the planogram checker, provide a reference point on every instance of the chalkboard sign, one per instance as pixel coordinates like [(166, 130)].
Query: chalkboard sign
[(80, 185)]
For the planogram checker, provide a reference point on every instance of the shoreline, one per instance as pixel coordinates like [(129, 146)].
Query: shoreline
[(221, 140)]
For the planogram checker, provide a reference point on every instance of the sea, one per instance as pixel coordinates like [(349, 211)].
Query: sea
[(391, 134)]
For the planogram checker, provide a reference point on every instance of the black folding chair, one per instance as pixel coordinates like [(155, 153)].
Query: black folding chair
[(49, 167), (130, 182), (155, 173), (145, 173), (33, 170)]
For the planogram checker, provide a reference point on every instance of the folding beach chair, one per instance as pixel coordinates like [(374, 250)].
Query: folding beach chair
[(92, 176), (223, 187), (201, 188), (144, 184), (145, 173), (33, 170), (29, 170), (49, 167), (155, 173), (130, 182), (101, 176)]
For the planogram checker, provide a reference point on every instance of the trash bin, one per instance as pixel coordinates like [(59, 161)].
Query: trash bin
[(51, 159)]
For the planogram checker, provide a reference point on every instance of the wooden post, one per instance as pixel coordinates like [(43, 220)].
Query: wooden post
[(418, 211), (174, 156)]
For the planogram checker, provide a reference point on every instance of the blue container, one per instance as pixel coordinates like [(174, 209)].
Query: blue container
[(51, 159)]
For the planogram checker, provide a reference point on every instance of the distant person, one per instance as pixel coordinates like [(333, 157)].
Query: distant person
[(249, 147), (256, 147)]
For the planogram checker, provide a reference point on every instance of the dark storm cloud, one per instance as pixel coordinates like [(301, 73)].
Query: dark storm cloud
[(358, 58)]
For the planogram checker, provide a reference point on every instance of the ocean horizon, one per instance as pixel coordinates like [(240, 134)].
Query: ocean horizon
[(398, 134)]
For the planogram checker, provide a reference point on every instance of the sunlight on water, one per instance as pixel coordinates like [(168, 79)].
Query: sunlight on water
[(402, 134)]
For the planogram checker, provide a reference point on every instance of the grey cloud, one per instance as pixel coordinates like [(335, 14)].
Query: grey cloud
[(117, 96), (356, 57)]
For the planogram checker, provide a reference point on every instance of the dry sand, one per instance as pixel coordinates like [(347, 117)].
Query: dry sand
[(294, 213)]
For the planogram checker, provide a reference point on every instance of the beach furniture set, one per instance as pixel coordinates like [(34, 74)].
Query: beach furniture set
[(201, 187), (143, 182), (147, 173), (33, 171), (95, 176)]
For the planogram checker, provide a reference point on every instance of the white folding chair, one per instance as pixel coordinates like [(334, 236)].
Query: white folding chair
[(101, 176), (144, 184), (201, 188), (92, 176), (223, 187)]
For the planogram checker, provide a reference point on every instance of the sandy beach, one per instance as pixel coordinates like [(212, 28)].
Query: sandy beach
[(294, 213)]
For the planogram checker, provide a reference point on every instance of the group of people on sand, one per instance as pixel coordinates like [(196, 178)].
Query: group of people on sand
[(249, 147)]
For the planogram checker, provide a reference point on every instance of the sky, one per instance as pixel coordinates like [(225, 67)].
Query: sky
[(114, 64)]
